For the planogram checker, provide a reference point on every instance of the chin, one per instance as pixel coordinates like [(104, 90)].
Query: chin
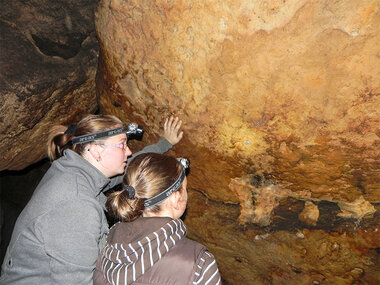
[(116, 173)]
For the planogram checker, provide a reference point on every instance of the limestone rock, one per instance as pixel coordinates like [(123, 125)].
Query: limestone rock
[(285, 92), (282, 253), (48, 63), (309, 214), (357, 209), (289, 89)]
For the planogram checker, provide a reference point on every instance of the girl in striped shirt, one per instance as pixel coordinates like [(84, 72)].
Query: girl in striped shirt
[(148, 245)]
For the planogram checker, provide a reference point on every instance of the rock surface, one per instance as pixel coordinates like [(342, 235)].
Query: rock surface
[(280, 103), (309, 214), (48, 61), (287, 252)]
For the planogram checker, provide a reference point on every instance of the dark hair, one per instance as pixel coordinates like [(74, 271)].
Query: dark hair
[(60, 136), (149, 174)]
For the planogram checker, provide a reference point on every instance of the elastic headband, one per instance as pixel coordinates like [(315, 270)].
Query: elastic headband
[(70, 130), (132, 129), (99, 135), (166, 193), (174, 187)]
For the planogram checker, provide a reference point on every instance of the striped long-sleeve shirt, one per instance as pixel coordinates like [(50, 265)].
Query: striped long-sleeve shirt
[(154, 251)]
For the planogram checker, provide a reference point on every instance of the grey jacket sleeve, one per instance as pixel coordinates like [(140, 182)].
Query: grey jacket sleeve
[(162, 146), (73, 230), (207, 271)]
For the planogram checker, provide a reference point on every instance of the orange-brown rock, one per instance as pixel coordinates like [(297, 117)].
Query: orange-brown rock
[(342, 253), (357, 209), (280, 104), (309, 214), (48, 60)]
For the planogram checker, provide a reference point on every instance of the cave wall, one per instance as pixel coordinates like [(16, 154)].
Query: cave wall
[(280, 104), (48, 61), (280, 107)]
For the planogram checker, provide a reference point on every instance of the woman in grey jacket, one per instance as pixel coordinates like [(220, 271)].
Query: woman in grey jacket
[(149, 245), (59, 234)]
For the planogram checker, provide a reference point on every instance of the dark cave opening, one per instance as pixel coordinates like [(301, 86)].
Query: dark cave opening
[(66, 50)]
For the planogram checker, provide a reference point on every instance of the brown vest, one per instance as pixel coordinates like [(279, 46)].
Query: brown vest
[(175, 267)]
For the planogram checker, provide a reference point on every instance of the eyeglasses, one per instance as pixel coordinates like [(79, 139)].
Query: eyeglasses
[(122, 146)]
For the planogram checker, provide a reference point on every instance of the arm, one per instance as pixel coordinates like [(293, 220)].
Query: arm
[(206, 270), (72, 234), (172, 136), (162, 146)]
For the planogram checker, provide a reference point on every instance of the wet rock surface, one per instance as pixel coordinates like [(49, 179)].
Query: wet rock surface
[(280, 107), (48, 63)]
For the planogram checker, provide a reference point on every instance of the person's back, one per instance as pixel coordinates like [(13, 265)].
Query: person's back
[(152, 248), (42, 239)]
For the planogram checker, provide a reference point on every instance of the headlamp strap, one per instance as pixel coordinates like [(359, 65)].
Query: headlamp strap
[(166, 193), (70, 130), (99, 135)]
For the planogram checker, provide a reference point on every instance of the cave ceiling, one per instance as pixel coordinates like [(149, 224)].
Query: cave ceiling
[(48, 62)]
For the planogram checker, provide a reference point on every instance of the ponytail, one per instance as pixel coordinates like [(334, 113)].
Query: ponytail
[(60, 136), (123, 208), (57, 141)]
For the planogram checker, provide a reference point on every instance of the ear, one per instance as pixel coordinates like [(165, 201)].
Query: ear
[(174, 200), (94, 151)]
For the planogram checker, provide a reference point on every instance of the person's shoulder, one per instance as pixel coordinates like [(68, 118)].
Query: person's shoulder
[(190, 248), (58, 180), (201, 254), (59, 185)]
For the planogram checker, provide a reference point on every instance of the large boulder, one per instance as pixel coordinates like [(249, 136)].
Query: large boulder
[(48, 61), (280, 104)]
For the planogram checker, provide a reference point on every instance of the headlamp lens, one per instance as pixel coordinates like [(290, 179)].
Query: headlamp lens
[(134, 131), (185, 162)]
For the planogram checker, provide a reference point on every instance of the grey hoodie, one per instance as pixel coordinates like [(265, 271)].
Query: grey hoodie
[(60, 233), (154, 251)]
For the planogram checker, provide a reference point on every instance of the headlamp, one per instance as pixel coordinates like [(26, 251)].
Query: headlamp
[(132, 131), (185, 162)]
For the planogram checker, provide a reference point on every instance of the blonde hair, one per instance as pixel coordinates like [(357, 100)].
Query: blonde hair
[(58, 140), (149, 174)]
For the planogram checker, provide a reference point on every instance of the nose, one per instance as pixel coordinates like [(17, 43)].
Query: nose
[(128, 152)]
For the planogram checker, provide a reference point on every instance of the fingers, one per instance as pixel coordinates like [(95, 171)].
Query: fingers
[(176, 124), (172, 127), (172, 124), (180, 136)]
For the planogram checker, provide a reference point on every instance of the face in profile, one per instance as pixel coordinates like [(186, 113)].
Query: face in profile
[(115, 152)]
